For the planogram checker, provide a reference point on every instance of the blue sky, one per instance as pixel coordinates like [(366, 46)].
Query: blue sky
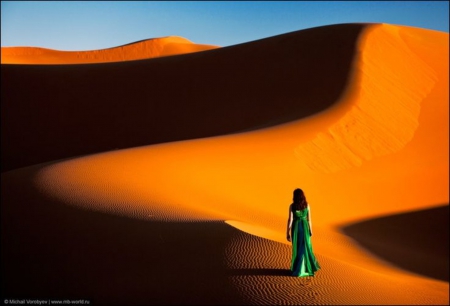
[(89, 25)]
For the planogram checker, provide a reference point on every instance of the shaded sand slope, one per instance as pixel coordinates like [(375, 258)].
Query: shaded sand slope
[(60, 252), (150, 48), (381, 149), (74, 110), (406, 240)]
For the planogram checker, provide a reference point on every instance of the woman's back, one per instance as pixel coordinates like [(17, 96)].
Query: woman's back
[(302, 213)]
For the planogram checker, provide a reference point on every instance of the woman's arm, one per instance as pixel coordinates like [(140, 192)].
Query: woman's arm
[(289, 224), (309, 220)]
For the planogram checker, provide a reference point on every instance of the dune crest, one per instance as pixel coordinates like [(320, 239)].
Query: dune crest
[(202, 94), (386, 107), (145, 49)]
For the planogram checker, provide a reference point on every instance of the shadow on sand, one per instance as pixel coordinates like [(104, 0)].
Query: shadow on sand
[(130, 104), (54, 251), (260, 272), (416, 241)]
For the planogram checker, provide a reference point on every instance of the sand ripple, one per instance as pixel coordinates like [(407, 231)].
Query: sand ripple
[(259, 270)]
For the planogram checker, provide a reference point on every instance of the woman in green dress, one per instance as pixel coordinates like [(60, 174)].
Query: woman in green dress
[(299, 232)]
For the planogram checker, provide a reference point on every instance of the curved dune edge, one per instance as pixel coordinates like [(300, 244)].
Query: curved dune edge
[(103, 107), (259, 231), (229, 161), (248, 179), (373, 126), (150, 48)]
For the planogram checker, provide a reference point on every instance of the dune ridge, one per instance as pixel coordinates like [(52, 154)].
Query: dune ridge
[(145, 49), (232, 190), (372, 128), (145, 102)]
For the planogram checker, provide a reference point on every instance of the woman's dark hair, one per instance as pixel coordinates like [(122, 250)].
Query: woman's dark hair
[(299, 200)]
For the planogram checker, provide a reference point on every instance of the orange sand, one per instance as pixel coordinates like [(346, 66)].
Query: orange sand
[(192, 207), (150, 48)]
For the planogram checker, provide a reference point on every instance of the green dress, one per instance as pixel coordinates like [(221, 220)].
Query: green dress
[(303, 262)]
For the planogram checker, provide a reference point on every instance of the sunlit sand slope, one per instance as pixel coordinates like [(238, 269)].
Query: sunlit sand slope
[(145, 49), (73, 110), (371, 155)]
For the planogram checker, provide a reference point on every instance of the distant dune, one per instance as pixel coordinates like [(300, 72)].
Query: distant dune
[(150, 48), (168, 180)]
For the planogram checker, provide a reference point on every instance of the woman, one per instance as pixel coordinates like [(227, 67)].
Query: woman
[(299, 231)]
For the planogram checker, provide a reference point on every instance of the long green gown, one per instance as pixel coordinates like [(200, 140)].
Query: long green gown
[(303, 263)]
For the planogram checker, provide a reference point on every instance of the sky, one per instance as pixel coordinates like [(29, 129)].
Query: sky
[(92, 25)]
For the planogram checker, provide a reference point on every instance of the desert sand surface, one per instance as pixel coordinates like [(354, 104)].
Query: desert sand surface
[(168, 180), (150, 48)]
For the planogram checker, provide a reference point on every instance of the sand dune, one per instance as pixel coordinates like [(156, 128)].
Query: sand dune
[(172, 98), (210, 147), (150, 48)]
